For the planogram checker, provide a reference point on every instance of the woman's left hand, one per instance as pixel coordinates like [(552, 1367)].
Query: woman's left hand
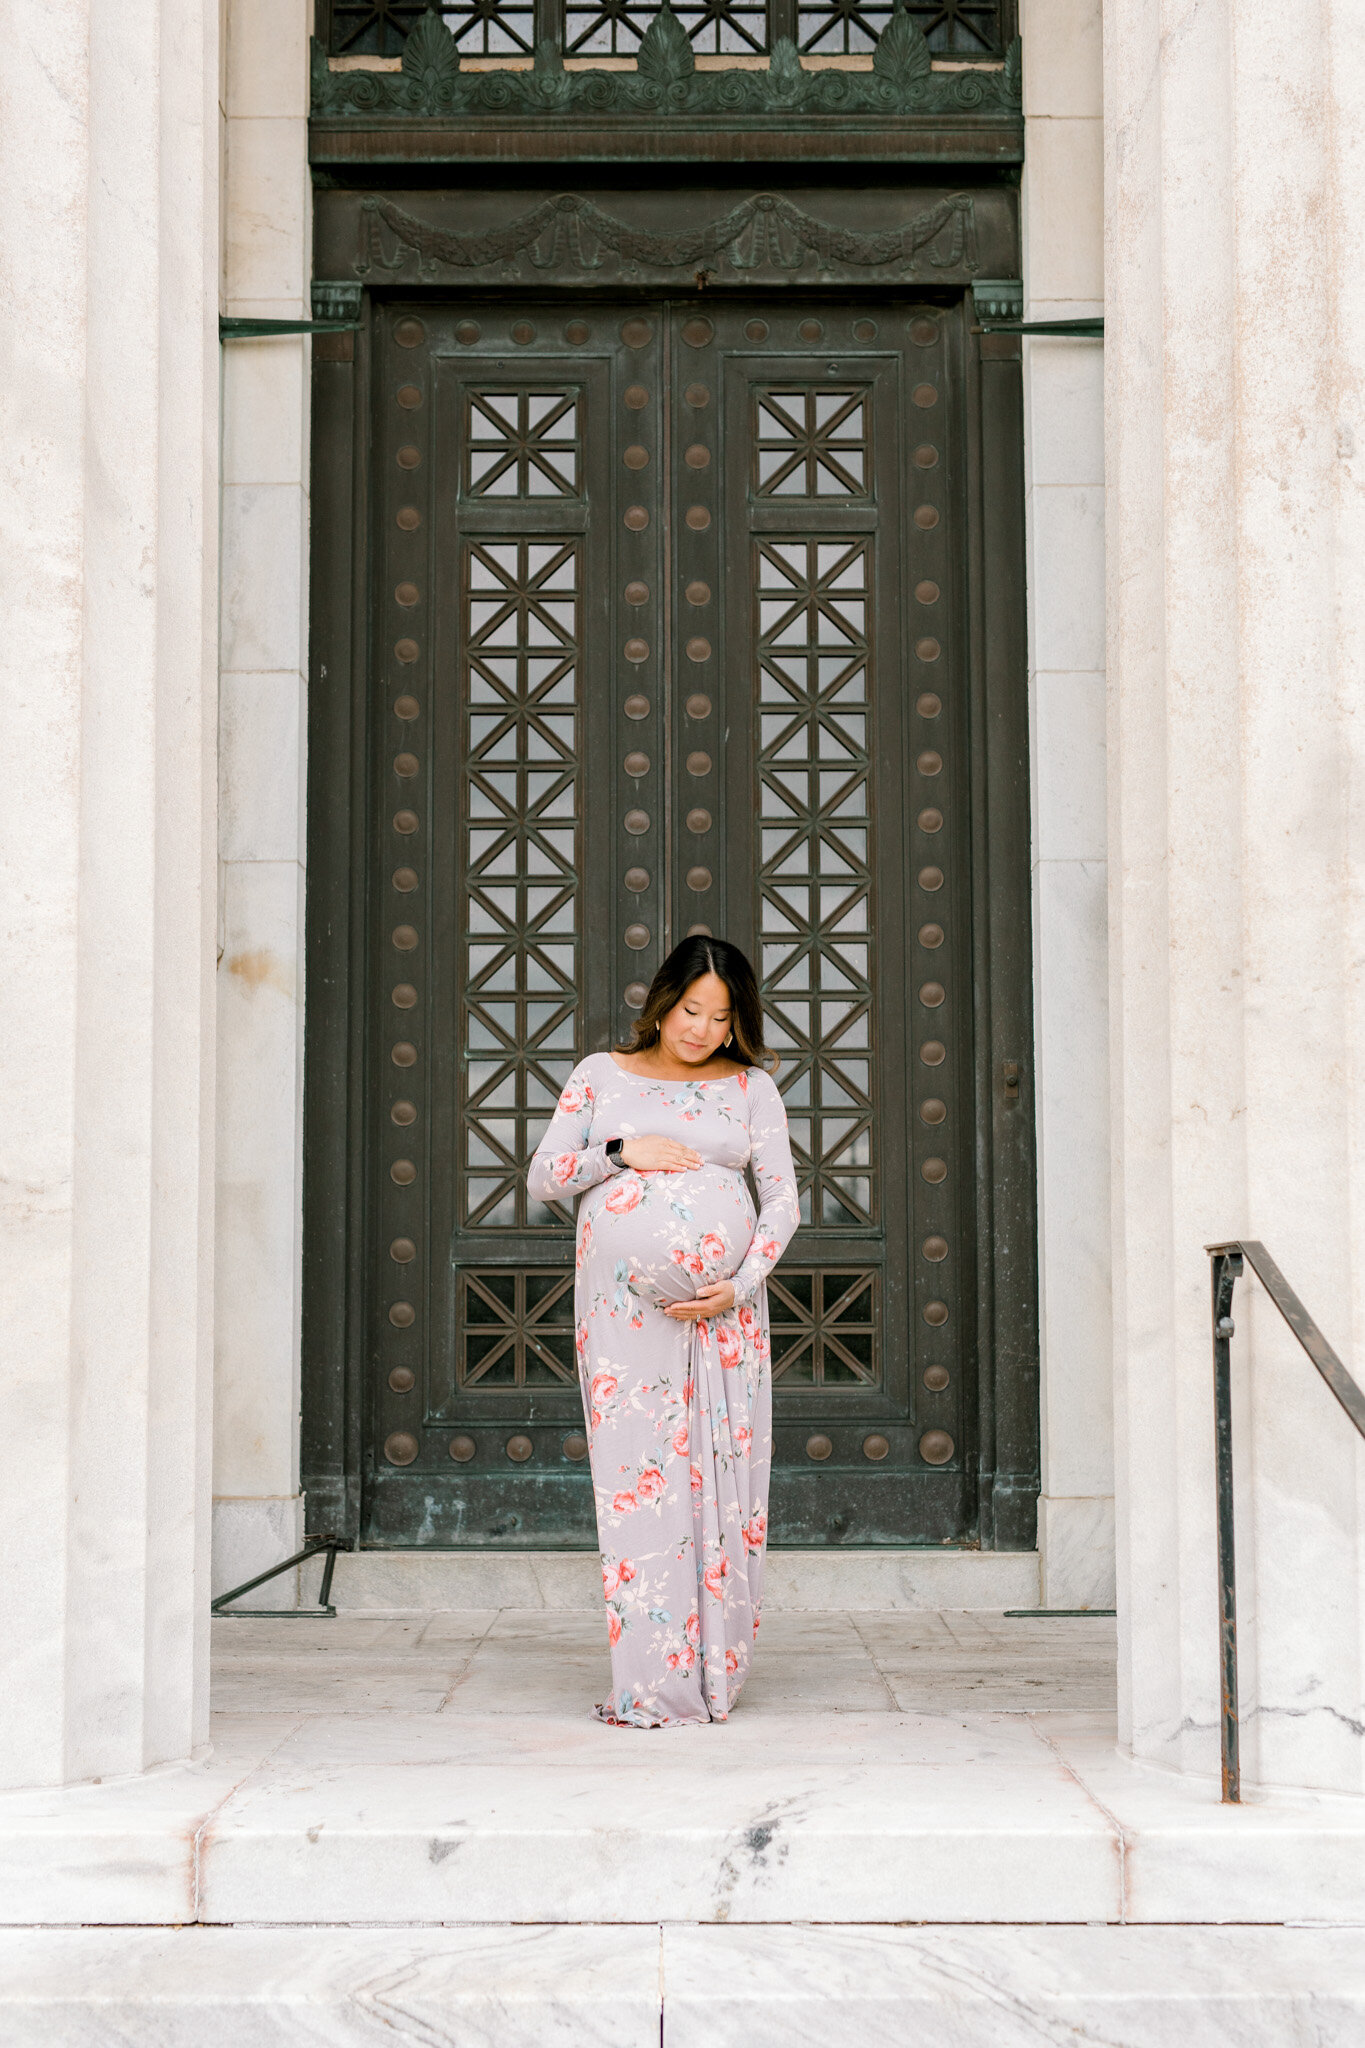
[(707, 1302)]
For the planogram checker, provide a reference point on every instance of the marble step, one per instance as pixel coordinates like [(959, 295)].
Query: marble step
[(649, 1986), (399, 1819), (798, 1581)]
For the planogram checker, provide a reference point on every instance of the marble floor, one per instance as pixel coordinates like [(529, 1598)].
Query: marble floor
[(542, 1663)]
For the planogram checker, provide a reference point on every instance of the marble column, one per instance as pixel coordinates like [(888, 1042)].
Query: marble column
[(1235, 460), (1063, 217), (108, 459), (267, 194)]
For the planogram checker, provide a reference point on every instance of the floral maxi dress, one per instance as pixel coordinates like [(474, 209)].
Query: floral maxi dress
[(679, 1413)]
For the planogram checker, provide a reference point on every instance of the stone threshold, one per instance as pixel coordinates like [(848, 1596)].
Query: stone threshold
[(655, 1986), (401, 1819), (797, 1581)]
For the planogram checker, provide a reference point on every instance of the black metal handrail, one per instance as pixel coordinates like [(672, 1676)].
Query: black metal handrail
[(314, 1547), (1225, 1270)]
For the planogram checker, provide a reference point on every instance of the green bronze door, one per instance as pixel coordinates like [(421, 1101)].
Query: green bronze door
[(670, 636)]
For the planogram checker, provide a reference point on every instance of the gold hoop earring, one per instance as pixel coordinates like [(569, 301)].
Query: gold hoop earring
[(729, 1036)]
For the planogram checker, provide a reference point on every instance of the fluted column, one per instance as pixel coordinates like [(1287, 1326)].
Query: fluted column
[(1235, 354), (108, 454)]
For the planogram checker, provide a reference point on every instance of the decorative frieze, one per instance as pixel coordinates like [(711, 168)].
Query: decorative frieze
[(434, 84)]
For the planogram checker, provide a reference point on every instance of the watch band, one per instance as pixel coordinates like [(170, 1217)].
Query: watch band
[(613, 1150)]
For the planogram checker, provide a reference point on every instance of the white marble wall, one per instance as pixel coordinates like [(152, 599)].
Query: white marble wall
[(108, 532), (1064, 445), (1236, 466), (266, 260)]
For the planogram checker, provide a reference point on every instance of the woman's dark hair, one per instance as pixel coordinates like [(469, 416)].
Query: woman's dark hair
[(687, 963)]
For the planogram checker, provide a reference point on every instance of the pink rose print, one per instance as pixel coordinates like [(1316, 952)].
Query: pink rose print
[(680, 1616)]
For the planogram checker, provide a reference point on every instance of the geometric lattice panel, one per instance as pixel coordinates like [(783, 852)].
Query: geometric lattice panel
[(959, 28), (811, 444), (824, 1327), (616, 28), (521, 860), (815, 874), (516, 1327), (482, 28), (523, 444)]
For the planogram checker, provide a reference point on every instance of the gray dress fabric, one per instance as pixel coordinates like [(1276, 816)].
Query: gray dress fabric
[(679, 1413)]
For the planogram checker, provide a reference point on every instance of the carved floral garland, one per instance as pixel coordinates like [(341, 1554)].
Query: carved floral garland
[(764, 232)]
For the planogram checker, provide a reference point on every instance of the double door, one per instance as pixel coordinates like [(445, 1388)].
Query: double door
[(669, 635)]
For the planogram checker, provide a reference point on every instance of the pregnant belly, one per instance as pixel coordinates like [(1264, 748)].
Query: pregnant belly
[(674, 1232)]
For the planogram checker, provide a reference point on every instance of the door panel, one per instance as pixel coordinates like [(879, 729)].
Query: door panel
[(670, 636)]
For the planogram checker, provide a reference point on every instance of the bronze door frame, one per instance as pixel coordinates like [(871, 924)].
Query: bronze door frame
[(1001, 1474)]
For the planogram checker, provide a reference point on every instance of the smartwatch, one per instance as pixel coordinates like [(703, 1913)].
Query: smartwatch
[(613, 1150)]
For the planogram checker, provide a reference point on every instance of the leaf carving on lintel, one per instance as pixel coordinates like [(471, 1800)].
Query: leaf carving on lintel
[(901, 57), (666, 81), (431, 54), (666, 58)]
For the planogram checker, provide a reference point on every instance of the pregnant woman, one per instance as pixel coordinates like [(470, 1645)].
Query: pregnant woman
[(671, 1320)]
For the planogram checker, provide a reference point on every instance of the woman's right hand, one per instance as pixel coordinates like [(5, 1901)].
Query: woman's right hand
[(658, 1155)]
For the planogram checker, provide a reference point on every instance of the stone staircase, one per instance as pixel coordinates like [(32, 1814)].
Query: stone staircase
[(916, 1827)]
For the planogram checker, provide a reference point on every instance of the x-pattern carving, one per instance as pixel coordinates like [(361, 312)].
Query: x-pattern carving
[(963, 28), (815, 823), (824, 1327), (523, 444), (811, 443), (521, 863), (616, 28), (513, 1322)]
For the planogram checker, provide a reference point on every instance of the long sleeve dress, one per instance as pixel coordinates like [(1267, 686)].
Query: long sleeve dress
[(679, 1413)]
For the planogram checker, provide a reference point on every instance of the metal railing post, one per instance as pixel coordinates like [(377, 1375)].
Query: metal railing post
[(1225, 1272)]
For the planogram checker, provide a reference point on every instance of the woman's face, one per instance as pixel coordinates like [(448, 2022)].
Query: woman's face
[(697, 1025)]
